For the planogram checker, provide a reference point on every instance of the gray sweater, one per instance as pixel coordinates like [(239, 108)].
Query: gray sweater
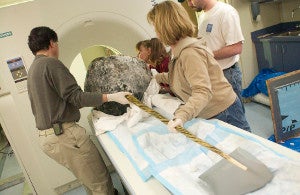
[(54, 93)]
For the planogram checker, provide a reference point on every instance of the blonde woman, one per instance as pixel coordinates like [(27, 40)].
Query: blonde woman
[(194, 75)]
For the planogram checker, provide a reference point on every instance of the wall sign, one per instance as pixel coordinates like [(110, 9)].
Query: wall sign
[(284, 92), (18, 72), (6, 34)]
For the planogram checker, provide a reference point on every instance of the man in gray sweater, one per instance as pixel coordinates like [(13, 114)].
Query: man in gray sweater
[(55, 101)]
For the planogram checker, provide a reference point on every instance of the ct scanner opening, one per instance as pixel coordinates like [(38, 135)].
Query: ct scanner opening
[(87, 36), (98, 28), (80, 64)]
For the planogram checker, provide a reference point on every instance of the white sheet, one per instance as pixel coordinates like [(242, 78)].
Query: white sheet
[(179, 169)]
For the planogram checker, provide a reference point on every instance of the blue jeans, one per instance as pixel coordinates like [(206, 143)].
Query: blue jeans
[(234, 77), (234, 115)]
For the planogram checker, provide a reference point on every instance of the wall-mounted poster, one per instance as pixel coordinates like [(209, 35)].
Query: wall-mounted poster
[(284, 92), (18, 72)]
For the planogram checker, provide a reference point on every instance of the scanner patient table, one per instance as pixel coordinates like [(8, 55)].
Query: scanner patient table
[(135, 184)]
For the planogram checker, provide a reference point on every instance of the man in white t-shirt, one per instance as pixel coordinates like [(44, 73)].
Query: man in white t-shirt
[(219, 25)]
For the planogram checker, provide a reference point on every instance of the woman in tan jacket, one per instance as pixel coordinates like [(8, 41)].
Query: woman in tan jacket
[(194, 75)]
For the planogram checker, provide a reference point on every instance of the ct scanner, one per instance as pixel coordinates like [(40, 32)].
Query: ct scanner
[(79, 24)]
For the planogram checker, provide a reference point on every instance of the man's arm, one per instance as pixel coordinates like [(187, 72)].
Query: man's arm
[(228, 51)]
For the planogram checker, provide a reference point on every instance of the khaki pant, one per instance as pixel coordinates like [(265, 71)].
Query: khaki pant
[(75, 150)]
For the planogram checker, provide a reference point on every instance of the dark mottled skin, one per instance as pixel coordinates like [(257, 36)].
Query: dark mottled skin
[(114, 74)]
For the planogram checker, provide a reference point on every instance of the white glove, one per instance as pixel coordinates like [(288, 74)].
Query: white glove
[(174, 123), (118, 97)]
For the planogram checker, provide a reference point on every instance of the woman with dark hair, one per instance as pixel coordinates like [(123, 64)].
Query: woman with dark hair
[(154, 53), (144, 51), (159, 58)]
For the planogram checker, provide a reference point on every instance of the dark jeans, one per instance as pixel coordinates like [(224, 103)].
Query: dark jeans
[(234, 115), (234, 77)]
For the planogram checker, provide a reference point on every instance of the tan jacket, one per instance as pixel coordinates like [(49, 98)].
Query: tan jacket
[(196, 78)]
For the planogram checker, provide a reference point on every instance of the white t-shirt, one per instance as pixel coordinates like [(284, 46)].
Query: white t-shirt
[(220, 27)]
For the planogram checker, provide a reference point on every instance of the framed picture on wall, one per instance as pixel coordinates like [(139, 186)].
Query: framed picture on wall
[(284, 93)]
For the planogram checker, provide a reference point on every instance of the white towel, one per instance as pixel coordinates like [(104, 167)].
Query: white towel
[(105, 122)]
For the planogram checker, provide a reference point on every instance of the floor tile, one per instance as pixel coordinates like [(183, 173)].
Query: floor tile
[(260, 119), (11, 166), (15, 190)]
